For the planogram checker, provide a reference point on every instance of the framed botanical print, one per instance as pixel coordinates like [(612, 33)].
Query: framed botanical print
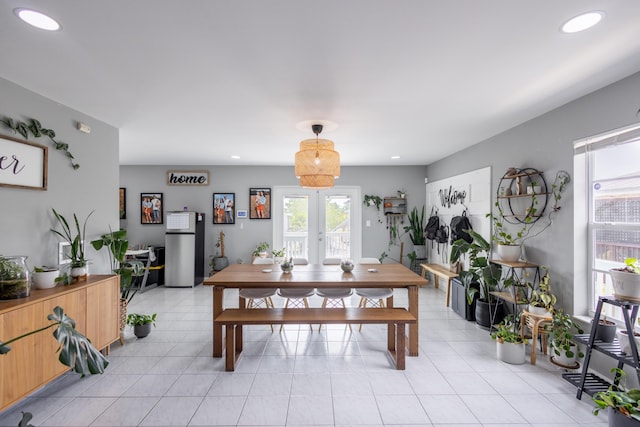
[(224, 208), (260, 203), (151, 210)]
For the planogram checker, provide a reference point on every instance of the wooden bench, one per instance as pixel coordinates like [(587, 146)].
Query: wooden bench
[(233, 319), (440, 271)]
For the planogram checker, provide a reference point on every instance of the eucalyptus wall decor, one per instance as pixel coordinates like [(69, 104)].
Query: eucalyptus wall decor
[(36, 130)]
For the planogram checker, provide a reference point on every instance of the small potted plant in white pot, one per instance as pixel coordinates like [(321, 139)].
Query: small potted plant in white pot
[(141, 323), (561, 330), (278, 255), (261, 250), (45, 277), (543, 301), (510, 345), (626, 280)]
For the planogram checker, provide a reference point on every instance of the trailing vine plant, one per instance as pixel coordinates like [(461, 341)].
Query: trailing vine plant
[(36, 129)]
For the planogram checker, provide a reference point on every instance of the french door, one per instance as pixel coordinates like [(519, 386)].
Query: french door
[(317, 224)]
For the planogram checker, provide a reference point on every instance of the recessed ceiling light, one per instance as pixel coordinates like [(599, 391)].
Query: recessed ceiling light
[(235, 157), (38, 19), (395, 157), (582, 22)]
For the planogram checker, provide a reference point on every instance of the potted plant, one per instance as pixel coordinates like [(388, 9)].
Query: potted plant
[(372, 200), (510, 345), (45, 277), (626, 280), (117, 243), (623, 404), (542, 301), (141, 323), (261, 250), (219, 262), (416, 232), (278, 255), (75, 239), (561, 330), (487, 275), (508, 244), (14, 277), (606, 331), (286, 265)]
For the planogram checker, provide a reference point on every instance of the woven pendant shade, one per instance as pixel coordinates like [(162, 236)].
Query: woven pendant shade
[(317, 163)]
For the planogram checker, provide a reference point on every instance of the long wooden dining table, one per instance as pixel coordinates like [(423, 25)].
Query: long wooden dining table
[(391, 275)]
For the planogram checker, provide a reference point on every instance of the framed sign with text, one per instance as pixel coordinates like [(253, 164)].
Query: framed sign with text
[(23, 164), (184, 178)]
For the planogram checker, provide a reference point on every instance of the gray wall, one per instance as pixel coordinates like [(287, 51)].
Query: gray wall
[(545, 143), (382, 181), (26, 214)]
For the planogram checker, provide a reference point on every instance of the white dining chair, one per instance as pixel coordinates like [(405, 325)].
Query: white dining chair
[(259, 297), (298, 297), (333, 297), (374, 297)]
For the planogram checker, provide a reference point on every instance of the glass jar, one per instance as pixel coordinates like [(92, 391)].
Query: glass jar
[(14, 277)]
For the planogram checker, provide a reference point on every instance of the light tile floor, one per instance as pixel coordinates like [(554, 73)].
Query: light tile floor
[(303, 378)]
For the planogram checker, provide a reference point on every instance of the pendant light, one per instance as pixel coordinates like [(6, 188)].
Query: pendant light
[(317, 163)]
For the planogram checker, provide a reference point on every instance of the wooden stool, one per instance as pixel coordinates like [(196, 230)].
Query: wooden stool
[(535, 322), (439, 271)]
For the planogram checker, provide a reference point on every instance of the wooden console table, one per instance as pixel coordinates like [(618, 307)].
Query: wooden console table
[(33, 361)]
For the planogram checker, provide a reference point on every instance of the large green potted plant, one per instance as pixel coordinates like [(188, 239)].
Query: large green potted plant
[(75, 238), (486, 274), (117, 243), (416, 232)]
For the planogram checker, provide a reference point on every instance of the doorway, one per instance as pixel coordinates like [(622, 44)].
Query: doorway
[(317, 224)]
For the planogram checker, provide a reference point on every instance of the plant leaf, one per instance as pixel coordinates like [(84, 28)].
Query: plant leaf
[(76, 350)]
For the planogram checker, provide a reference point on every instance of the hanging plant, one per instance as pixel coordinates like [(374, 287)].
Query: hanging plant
[(370, 200), (36, 129)]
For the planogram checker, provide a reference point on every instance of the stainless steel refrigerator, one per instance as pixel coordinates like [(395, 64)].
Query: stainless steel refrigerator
[(184, 249)]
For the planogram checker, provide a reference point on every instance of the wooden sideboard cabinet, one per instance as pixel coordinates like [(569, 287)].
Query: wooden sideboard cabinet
[(33, 361)]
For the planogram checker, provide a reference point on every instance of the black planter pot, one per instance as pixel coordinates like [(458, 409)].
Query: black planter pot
[(459, 302), (142, 331), (487, 312), (618, 419)]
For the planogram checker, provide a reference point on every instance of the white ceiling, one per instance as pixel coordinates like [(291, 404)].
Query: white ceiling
[(193, 82)]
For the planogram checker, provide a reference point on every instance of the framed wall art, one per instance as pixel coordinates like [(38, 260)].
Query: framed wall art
[(123, 203), (260, 203), (151, 210), (224, 208), (23, 164)]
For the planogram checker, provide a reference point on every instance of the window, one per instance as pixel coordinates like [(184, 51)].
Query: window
[(612, 199)]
